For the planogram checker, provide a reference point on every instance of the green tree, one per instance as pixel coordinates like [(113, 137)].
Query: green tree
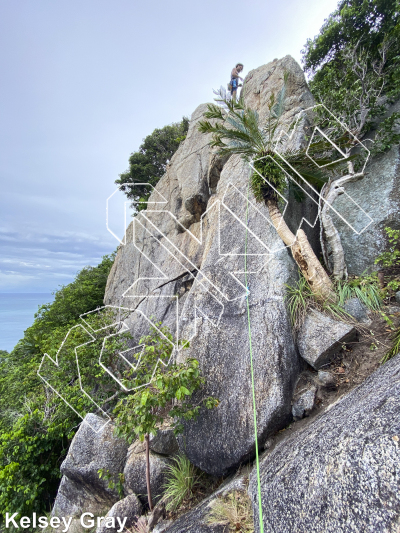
[(237, 129), (148, 164), (368, 22), (35, 425), (354, 65), (163, 391)]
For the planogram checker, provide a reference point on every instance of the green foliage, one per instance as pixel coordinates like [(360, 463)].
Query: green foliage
[(391, 257), (112, 483), (387, 134), (354, 62), (237, 129), (267, 167), (365, 288), (148, 164), (300, 298), (35, 425), (84, 294), (234, 511), (181, 481), (368, 21), (30, 454), (161, 393)]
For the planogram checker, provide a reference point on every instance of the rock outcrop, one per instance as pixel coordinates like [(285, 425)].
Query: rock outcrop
[(341, 473), (320, 336), (198, 244), (81, 489), (128, 509), (197, 520), (377, 193), (135, 475)]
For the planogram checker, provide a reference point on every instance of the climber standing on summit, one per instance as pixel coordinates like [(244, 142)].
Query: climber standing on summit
[(234, 83)]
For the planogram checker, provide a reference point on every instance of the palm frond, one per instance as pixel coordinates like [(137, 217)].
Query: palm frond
[(278, 106)]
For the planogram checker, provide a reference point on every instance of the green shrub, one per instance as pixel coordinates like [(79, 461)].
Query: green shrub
[(181, 481), (36, 427)]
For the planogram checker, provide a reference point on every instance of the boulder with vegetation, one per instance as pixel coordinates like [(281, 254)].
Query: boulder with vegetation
[(212, 305)]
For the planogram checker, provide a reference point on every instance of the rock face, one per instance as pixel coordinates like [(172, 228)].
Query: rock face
[(202, 281), (129, 508), (304, 404), (164, 442), (196, 520), (81, 490), (378, 194), (320, 337), (357, 310), (341, 473)]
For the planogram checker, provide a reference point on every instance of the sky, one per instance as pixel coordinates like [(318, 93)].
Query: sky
[(83, 82)]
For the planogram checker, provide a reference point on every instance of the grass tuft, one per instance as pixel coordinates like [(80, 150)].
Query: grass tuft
[(181, 481), (234, 510), (395, 349), (300, 298)]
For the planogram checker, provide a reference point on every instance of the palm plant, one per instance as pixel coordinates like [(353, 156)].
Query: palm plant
[(237, 129)]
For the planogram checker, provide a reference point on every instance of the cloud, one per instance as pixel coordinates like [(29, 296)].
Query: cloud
[(39, 262)]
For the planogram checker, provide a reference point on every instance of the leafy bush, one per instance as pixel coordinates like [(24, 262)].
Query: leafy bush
[(181, 481), (30, 455), (36, 427), (163, 389)]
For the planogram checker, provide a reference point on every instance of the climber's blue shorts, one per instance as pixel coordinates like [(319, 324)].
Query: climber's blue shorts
[(234, 84)]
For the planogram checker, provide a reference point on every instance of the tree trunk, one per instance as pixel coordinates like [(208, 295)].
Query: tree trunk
[(146, 438), (330, 234), (304, 255)]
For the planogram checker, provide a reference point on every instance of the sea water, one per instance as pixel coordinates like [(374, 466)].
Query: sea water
[(17, 314)]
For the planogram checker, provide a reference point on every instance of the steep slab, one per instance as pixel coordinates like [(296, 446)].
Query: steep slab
[(342, 472)]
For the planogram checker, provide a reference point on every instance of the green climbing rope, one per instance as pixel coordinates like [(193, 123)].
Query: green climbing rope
[(260, 514)]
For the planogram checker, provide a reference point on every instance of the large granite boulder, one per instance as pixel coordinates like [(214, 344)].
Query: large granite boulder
[(185, 263), (320, 337), (81, 489), (126, 510), (135, 475), (378, 195), (341, 473)]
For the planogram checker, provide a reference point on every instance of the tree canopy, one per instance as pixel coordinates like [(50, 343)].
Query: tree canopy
[(35, 426), (367, 21), (148, 164), (354, 66)]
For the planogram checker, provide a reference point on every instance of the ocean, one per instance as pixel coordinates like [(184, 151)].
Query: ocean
[(16, 315)]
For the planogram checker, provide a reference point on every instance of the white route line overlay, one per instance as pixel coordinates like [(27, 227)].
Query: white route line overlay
[(201, 277)]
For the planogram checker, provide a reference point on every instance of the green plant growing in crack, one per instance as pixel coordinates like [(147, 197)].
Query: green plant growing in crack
[(112, 483), (299, 298), (234, 511), (181, 481), (165, 394)]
